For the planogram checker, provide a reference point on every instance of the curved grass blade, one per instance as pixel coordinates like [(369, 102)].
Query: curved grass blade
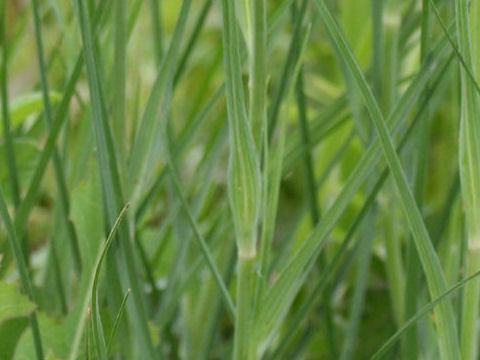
[(98, 337)]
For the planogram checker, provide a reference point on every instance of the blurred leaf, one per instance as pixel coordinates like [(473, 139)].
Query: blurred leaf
[(13, 303), (55, 338), (25, 105), (26, 154), (10, 332)]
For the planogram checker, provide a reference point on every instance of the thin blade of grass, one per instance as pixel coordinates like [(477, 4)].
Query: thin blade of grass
[(199, 24), (119, 83), (116, 322), (9, 153), (287, 70)]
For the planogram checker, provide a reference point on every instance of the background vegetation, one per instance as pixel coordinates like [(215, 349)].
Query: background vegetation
[(243, 179)]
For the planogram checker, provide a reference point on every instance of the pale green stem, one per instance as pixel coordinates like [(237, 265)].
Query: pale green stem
[(245, 296)]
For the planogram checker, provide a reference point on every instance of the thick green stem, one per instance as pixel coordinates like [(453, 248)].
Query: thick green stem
[(245, 295)]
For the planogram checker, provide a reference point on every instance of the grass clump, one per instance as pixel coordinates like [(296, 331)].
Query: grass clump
[(246, 179)]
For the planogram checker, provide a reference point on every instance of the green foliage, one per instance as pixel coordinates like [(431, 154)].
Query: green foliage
[(23, 106), (13, 303), (302, 178)]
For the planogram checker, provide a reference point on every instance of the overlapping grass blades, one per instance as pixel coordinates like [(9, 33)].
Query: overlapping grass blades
[(280, 295), (109, 175)]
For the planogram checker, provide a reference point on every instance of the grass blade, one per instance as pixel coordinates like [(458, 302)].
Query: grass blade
[(467, 30), (98, 337), (119, 83), (156, 29), (9, 153), (116, 323)]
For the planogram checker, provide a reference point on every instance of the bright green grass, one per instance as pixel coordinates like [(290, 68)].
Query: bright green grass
[(239, 179)]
